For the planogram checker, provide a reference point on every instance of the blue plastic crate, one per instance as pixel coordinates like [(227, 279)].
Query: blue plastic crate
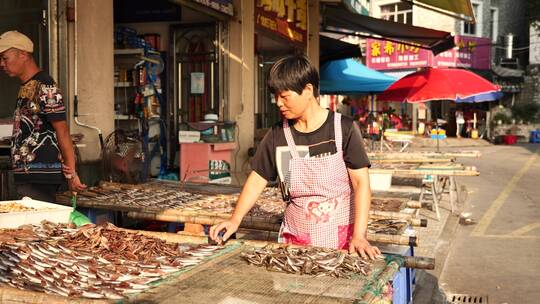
[(441, 136), (403, 283), (98, 216), (535, 137)]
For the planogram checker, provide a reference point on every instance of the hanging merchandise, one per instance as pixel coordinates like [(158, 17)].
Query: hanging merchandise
[(154, 102)]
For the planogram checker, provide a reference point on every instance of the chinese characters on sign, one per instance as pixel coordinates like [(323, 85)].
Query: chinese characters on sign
[(383, 55), (470, 52), (224, 6), (287, 18)]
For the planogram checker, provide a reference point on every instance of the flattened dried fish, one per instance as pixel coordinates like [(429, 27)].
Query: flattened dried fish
[(309, 261), (93, 262)]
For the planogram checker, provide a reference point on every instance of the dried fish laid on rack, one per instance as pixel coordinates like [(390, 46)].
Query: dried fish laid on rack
[(91, 262), (314, 261), (393, 205), (139, 198), (392, 166), (269, 203), (387, 226)]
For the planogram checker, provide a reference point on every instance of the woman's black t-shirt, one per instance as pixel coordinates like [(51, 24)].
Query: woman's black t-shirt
[(273, 155)]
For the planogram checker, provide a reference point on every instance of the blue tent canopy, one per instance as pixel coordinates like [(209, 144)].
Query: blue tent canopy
[(350, 77)]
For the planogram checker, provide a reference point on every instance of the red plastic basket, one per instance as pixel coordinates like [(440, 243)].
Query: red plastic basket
[(509, 139)]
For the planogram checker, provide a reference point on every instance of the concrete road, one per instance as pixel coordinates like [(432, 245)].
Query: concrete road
[(499, 256)]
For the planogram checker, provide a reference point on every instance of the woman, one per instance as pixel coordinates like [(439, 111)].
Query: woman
[(319, 158)]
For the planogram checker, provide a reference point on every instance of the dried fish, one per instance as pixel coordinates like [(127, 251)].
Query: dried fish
[(270, 202), (387, 226), (14, 207), (308, 261), (386, 204), (93, 261)]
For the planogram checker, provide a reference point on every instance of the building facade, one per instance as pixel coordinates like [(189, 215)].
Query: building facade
[(80, 51), (481, 46)]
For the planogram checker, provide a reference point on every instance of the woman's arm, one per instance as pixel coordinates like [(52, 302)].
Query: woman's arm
[(253, 187), (362, 202)]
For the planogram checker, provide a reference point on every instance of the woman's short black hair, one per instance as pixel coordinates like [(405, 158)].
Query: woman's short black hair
[(293, 73)]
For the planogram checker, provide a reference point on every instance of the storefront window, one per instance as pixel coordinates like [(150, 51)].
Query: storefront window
[(494, 23), (397, 12)]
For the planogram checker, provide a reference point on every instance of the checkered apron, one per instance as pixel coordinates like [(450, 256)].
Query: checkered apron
[(321, 211)]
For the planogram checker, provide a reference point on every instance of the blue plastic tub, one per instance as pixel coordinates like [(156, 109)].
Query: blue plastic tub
[(535, 137)]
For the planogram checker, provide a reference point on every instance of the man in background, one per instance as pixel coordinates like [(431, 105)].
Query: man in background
[(41, 142), (460, 121)]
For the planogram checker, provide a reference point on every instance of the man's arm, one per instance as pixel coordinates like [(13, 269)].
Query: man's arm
[(68, 154)]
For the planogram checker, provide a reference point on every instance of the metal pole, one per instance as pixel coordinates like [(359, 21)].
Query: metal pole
[(437, 128)]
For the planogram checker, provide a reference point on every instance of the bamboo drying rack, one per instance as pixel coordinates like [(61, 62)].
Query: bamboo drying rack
[(429, 154), (206, 217), (176, 286)]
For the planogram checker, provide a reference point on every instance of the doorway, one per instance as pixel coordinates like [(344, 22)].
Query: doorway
[(29, 18)]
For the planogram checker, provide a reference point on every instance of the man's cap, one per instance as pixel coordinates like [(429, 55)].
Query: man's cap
[(14, 39)]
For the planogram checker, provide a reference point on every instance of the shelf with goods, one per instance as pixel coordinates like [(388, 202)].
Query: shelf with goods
[(136, 84), (138, 91), (138, 97), (126, 83)]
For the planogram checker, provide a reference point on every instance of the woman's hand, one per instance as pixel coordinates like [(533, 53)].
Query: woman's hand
[(229, 227), (363, 248)]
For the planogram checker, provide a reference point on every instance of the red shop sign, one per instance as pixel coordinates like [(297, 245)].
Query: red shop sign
[(288, 19), (470, 52)]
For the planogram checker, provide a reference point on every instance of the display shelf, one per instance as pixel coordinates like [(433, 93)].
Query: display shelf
[(139, 51), (124, 84), (124, 117)]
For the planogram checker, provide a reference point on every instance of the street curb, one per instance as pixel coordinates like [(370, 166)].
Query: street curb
[(444, 244), (428, 289)]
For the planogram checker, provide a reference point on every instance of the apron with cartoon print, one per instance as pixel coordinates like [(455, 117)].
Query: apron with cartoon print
[(321, 208)]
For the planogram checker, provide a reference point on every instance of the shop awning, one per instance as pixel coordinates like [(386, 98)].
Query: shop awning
[(337, 19), (334, 49), (506, 72), (220, 9), (350, 77), (461, 9)]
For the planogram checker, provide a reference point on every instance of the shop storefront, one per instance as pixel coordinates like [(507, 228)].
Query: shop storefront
[(186, 86), (398, 59), (279, 31)]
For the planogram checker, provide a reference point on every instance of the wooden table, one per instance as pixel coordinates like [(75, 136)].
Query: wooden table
[(430, 154), (440, 174), (195, 219)]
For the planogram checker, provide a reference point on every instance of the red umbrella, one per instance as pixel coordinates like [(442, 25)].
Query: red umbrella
[(441, 84)]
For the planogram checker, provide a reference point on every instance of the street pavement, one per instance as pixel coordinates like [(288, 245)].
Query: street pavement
[(497, 255)]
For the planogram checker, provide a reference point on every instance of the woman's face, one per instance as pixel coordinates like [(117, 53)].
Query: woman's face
[(291, 104)]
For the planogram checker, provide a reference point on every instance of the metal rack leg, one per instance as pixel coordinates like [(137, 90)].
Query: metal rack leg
[(435, 198), (454, 194)]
